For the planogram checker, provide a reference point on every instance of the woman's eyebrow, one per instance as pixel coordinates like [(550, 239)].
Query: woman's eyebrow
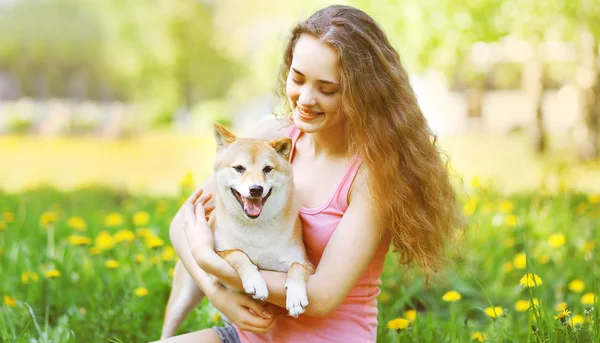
[(322, 81)]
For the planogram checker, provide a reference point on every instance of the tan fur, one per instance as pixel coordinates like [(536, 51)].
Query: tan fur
[(273, 241)]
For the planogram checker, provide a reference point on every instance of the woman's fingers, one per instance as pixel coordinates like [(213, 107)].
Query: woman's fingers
[(259, 308)]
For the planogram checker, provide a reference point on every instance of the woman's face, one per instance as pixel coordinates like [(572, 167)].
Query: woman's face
[(313, 86)]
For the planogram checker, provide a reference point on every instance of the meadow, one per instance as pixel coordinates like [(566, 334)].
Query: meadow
[(92, 264)]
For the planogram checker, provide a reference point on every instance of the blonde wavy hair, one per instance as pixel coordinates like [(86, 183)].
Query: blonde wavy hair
[(408, 180)]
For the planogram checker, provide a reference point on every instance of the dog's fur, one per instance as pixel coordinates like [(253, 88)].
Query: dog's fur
[(250, 230)]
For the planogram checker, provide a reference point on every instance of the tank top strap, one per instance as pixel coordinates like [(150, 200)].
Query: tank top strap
[(340, 199), (293, 133)]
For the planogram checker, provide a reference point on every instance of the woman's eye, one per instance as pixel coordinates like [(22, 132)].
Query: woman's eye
[(267, 169), (328, 92), (296, 81), (239, 169)]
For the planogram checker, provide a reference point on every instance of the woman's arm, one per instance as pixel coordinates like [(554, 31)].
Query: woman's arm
[(345, 259)]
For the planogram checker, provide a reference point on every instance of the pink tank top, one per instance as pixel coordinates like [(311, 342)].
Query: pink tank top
[(355, 320)]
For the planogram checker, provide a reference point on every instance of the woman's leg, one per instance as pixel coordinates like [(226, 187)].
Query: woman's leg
[(202, 336)]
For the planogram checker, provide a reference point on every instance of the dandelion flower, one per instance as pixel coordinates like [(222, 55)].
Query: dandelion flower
[(187, 182), (563, 314), (506, 206), (26, 277), (543, 259), (9, 217), (48, 218), (76, 223), (95, 251), (114, 219), (493, 312), (511, 220), (411, 315), (79, 240), (111, 264), (154, 260), (168, 253), (509, 242), (522, 305), (141, 292), (398, 324), (451, 296), (479, 336), (561, 307), (141, 218), (588, 246), (154, 242), (124, 236), (162, 206), (9, 301), (577, 319), (557, 240), (82, 310), (470, 207), (576, 286), (53, 273), (104, 241), (139, 258), (588, 298), (475, 182), (530, 280), (171, 272), (520, 261), (507, 267), (143, 233), (594, 198)]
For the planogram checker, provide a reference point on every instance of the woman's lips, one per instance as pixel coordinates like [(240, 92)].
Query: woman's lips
[(307, 113)]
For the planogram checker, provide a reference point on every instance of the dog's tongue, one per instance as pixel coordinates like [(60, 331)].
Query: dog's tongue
[(253, 207)]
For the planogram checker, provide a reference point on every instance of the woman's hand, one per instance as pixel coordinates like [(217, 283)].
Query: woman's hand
[(196, 210), (248, 314)]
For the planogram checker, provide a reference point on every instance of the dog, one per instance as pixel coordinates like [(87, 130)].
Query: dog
[(255, 224)]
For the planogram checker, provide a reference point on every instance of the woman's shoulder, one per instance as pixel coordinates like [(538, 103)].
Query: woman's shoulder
[(270, 128)]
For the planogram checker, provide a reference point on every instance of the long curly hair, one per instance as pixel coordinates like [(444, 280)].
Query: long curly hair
[(407, 177)]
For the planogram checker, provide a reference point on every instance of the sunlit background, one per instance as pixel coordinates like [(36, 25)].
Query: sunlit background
[(106, 106)]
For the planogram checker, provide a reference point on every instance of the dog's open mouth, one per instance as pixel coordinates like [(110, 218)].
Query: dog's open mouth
[(251, 206)]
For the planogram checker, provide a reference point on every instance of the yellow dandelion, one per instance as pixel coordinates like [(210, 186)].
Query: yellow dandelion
[(557, 240), (9, 301), (543, 259), (589, 298), (82, 310), (139, 258), (506, 206), (493, 312), (384, 297), (576, 286), (154, 260), (162, 206), (561, 306), (168, 253), (141, 292), (143, 233), (216, 317), (124, 236), (563, 314), (475, 182), (398, 324), (577, 319), (104, 241), (2, 226), (520, 261), (154, 242), (48, 218), (53, 273), (79, 240), (451, 296), (9, 217), (111, 264), (507, 267), (588, 246), (470, 207), (76, 223), (411, 315), (509, 242), (114, 219), (479, 336), (530, 280), (187, 182), (522, 305), (171, 272), (95, 251), (511, 220), (141, 218), (594, 198), (27, 277)]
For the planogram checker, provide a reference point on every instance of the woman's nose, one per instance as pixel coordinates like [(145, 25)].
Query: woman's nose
[(306, 98)]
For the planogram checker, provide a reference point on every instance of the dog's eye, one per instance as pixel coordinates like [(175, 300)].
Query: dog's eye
[(239, 169), (267, 169)]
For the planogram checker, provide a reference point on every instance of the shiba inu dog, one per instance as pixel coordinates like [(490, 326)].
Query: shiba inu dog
[(254, 224)]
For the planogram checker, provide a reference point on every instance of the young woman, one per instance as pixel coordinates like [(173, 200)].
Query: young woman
[(367, 172)]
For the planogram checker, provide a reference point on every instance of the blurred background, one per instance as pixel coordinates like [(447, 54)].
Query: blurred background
[(123, 93), (106, 110)]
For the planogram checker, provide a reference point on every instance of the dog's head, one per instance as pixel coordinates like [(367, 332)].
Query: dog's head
[(254, 177)]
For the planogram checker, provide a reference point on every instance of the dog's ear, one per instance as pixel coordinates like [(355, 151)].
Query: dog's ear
[(283, 146), (222, 136)]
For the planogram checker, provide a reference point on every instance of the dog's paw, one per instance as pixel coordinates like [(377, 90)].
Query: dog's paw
[(256, 287), (296, 299)]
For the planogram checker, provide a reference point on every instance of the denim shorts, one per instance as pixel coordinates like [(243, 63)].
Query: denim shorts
[(227, 334)]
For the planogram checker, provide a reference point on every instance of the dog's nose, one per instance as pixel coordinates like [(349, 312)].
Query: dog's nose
[(256, 190)]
